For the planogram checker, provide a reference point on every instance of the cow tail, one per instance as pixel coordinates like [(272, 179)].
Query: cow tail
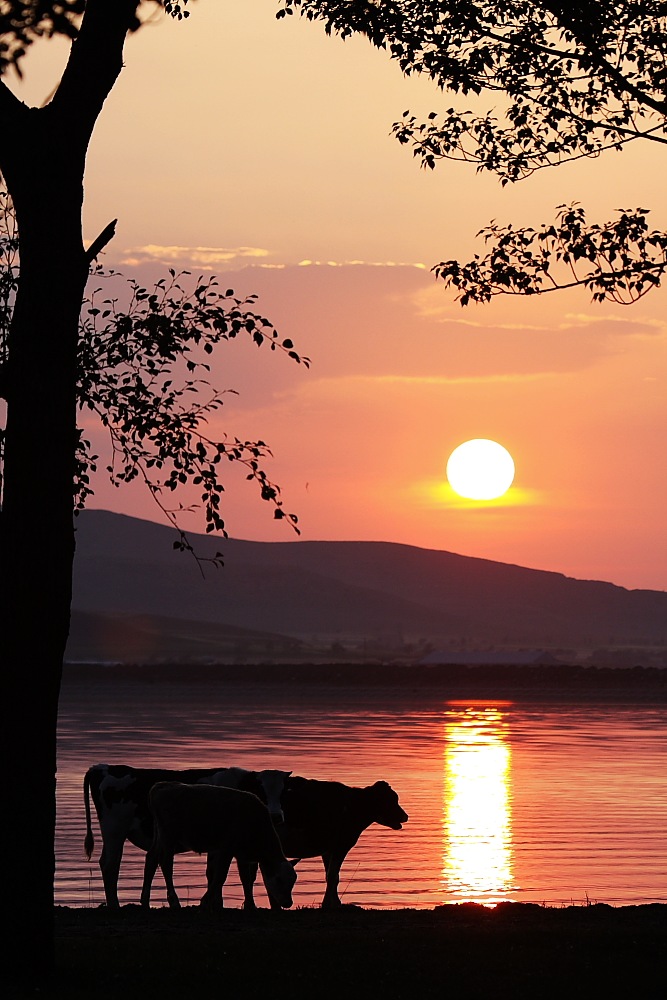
[(89, 842)]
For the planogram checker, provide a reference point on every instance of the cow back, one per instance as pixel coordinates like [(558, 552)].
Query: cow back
[(324, 817), (203, 818)]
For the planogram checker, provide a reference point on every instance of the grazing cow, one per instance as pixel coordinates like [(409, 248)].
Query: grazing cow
[(120, 796), (224, 823), (325, 819)]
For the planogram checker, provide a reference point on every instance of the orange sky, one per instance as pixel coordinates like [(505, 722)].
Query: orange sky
[(236, 143)]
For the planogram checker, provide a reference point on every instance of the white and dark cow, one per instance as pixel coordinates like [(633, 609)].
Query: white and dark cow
[(223, 823), (120, 797), (325, 819)]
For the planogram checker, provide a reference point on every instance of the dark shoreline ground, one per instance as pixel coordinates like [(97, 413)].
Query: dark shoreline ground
[(466, 951)]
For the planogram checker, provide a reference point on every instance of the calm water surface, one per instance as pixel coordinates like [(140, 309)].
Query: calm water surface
[(554, 803)]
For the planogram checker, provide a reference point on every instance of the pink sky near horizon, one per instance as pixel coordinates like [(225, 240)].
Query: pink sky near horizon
[(260, 150)]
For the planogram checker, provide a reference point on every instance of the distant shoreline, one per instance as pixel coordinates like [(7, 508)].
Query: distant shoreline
[(450, 682)]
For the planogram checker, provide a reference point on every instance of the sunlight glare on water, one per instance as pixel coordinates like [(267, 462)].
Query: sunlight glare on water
[(477, 836)]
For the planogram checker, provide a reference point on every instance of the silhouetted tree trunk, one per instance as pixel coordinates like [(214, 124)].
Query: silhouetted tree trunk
[(42, 158)]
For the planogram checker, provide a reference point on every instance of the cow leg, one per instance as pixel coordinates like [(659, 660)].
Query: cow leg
[(248, 874), (150, 867), (213, 895), (165, 859), (109, 863), (217, 869), (332, 865), (208, 898), (166, 862)]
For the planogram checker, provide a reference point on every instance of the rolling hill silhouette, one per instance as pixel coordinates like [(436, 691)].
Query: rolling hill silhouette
[(278, 594)]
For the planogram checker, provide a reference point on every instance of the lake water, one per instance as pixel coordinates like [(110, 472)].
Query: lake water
[(553, 803)]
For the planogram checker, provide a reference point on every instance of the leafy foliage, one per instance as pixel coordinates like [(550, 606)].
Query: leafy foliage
[(9, 251), (577, 77), (177, 9), (620, 260), (22, 22), (564, 81), (143, 370)]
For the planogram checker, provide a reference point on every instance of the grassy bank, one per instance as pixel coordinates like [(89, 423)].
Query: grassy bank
[(516, 950)]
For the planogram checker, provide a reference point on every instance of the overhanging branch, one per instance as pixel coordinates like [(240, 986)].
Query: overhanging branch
[(98, 244)]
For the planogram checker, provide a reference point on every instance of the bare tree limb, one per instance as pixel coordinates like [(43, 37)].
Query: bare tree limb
[(98, 245)]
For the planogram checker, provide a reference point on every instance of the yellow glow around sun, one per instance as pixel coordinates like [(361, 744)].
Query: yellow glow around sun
[(480, 469)]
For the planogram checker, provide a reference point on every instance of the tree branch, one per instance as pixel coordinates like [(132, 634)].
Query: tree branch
[(12, 113), (98, 245), (583, 29), (9, 102), (590, 54), (96, 59)]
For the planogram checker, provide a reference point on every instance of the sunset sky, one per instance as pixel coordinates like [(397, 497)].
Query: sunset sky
[(261, 149)]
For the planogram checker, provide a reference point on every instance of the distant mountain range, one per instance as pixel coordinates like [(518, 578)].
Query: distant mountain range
[(135, 597)]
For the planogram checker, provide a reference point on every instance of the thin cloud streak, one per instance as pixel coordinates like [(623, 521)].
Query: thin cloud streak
[(207, 258), (611, 324), (362, 263)]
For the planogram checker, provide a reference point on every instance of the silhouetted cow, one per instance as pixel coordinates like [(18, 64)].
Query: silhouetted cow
[(325, 819), (120, 796), (224, 823)]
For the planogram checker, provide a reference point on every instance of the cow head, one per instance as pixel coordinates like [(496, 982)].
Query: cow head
[(268, 785), (386, 810), (273, 784), (280, 882)]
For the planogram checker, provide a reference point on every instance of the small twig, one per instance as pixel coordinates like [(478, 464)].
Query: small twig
[(349, 881), (98, 245)]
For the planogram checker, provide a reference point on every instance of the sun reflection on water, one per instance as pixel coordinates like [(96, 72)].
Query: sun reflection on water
[(477, 821)]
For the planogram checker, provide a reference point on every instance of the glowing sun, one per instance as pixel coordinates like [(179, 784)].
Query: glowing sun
[(480, 470)]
